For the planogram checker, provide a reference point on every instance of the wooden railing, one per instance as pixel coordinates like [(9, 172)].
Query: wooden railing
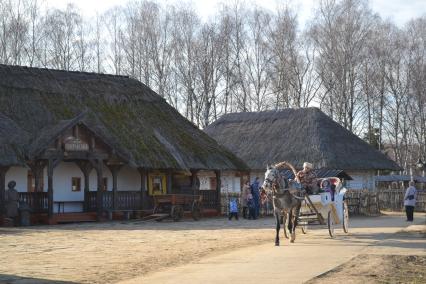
[(128, 200), (125, 200), (209, 200), (37, 201), (90, 201)]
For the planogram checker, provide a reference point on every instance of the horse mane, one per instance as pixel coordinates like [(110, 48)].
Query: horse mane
[(285, 164)]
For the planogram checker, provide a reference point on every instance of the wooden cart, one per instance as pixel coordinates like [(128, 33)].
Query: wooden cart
[(175, 205)]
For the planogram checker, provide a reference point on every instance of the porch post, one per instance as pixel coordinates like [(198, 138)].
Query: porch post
[(114, 171), (50, 187), (143, 173), (86, 167), (218, 193), (194, 182), (169, 181), (3, 171), (37, 168), (99, 193)]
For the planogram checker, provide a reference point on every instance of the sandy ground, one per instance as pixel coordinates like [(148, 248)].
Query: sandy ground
[(310, 256), (108, 252), (167, 252), (367, 268)]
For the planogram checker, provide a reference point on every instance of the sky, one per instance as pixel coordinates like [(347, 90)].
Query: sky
[(399, 11)]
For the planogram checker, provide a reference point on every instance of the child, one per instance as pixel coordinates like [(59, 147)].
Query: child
[(251, 206), (233, 209)]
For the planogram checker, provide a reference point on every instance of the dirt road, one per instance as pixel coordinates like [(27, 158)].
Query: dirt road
[(311, 255)]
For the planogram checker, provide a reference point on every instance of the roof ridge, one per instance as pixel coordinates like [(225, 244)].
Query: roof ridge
[(64, 71)]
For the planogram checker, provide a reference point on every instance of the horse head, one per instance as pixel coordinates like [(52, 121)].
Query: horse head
[(274, 181)]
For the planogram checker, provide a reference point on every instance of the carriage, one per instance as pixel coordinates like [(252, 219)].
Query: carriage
[(175, 205), (326, 208)]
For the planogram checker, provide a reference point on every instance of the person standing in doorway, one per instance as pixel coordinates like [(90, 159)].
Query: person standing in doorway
[(244, 196), (410, 201)]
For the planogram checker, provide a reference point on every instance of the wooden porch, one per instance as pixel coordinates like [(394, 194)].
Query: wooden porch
[(111, 201)]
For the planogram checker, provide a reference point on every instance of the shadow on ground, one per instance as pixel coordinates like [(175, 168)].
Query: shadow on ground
[(14, 279)]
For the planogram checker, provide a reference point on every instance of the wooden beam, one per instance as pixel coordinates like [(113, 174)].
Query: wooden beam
[(169, 181), (218, 191), (114, 171), (37, 169), (86, 167), (144, 175), (194, 182), (3, 171), (50, 187), (97, 164)]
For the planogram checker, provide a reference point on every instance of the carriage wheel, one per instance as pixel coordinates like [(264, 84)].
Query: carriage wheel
[(196, 211), (176, 212), (330, 224), (345, 217)]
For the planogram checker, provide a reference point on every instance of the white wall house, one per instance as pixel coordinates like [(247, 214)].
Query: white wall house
[(72, 199)]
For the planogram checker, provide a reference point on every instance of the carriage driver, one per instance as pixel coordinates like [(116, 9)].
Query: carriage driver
[(307, 178)]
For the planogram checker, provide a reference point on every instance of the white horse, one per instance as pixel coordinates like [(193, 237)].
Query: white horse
[(287, 198)]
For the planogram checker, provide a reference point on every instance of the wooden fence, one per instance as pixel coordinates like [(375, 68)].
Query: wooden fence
[(360, 202), (363, 202), (393, 199)]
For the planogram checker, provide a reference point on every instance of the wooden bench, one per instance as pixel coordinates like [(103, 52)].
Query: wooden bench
[(126, 212), (61, 203)]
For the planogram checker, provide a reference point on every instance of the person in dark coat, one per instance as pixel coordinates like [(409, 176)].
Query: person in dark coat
[(12, 199), (256, 196), (251, 207)]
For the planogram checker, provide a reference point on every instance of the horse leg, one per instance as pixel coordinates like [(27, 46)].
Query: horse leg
[(277, 237), (293, 226)]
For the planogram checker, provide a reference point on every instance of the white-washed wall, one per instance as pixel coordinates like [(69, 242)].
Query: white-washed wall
[(230, 182), (20, 176), (361, 180), (62, 191), (204, 177), (93, 179), (128, 179)]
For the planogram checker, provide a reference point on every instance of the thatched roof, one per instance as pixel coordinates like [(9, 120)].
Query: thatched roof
[(296, 136), (36, 105)]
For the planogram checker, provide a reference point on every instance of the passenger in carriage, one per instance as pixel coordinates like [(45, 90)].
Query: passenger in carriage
[(307, 178), (328, 186)]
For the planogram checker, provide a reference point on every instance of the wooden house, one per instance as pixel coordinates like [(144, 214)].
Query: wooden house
[(84, 143), (298, 136)]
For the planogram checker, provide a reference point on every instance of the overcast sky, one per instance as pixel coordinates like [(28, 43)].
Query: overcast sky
[(400, 11)]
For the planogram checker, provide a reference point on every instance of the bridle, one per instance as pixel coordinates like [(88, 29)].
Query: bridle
[(274, 186)]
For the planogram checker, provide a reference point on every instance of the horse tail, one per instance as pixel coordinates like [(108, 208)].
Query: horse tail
[(288, 165)]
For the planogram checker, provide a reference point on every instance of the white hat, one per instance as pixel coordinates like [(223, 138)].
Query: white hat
[(307, 165)]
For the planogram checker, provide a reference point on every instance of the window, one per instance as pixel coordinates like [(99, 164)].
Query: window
[(157, 184), (75, 184)]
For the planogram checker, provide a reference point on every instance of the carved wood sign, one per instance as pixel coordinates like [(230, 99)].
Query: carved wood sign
[(75, 144)]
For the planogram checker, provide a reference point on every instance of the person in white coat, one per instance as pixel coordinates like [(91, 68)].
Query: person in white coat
[(410, 201)]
